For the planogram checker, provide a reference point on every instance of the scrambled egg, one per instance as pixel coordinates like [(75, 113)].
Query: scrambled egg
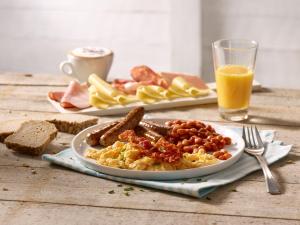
[(125, 156)]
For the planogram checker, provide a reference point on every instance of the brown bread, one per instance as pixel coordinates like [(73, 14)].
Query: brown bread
[(72, 123), (32, 137), (68, 123)]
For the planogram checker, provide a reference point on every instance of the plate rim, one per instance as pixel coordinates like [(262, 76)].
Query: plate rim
[(119, 109), (146, 172)]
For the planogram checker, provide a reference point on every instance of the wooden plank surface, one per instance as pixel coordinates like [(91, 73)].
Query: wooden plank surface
[(274, 108), (67, 187), (30, 79), (32, 191), (28, 213)]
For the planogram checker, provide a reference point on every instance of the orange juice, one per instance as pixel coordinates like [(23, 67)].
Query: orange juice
[(234, 85)]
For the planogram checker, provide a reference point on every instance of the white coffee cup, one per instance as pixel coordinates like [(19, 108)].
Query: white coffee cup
[(87, 60)]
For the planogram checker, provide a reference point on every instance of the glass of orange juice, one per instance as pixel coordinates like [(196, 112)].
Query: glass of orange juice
[(234, 64)]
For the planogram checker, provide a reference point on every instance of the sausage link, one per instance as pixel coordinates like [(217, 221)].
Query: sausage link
[(150, 134), (158, 128), (93, 138), (131, 120)]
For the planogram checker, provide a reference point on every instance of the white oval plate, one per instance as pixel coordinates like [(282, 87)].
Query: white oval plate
[(79, 146)]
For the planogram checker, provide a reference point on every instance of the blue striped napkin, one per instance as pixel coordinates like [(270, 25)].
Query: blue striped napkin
[(198, 186)]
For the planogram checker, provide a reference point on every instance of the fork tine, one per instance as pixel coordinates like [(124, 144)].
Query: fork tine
[(259, 141), (253, 138), (249, 137), (245, 138)]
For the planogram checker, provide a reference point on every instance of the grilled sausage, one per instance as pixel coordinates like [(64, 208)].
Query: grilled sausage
[(158, 128), (150, 134), (93, 138), (131, 120)]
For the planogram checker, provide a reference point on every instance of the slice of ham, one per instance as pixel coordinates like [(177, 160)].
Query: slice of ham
[(76, 96), (141, 75), (122, 85), (193, 80), (120, 81), (145, 74), (56, 95), (130, 86)]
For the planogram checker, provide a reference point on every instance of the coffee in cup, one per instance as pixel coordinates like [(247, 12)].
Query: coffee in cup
[(87, 60)]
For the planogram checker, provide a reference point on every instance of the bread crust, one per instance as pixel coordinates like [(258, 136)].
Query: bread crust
[(71, 127)]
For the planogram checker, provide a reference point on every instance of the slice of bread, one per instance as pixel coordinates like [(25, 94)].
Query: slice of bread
[(32, 137), (8, 127), (72, 123), (67, 123)]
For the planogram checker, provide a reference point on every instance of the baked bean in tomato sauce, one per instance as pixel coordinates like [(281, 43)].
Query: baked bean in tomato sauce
[(192, 135)]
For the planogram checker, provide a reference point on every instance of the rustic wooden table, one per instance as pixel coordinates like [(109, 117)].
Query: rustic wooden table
[(34, 192)]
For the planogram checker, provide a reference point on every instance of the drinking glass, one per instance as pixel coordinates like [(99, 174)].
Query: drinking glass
[(234, 64)]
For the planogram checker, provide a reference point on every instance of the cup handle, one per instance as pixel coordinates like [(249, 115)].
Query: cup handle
[(67, 68)]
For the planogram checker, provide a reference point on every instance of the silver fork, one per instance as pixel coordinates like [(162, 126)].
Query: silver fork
[(254, 146)]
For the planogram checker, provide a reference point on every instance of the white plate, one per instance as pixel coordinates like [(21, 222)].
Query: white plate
[(122, 109), (79, 146), (165, 104)]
